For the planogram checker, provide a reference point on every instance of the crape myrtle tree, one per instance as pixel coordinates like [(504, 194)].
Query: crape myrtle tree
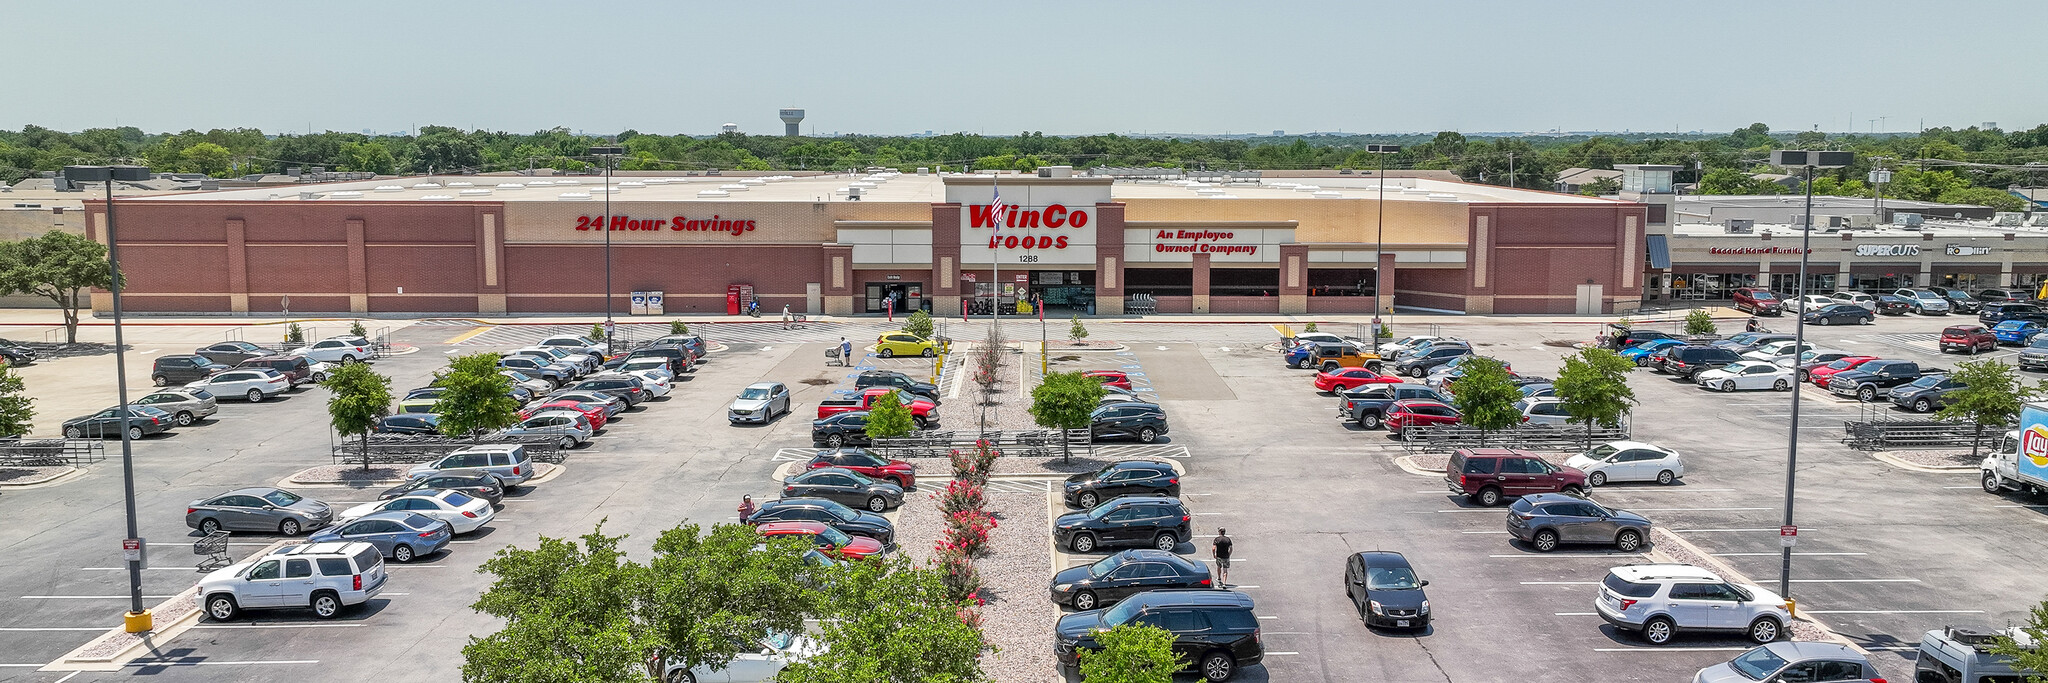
[(1131, 653), (1066, 400)]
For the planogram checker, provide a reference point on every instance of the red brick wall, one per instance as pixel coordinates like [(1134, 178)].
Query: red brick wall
[(298, 268), (168, 268), (1246, 304), (420, 270), (1413, 287)]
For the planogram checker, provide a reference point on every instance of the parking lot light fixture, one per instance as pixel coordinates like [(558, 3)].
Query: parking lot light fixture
[(1810, 160), (606, 154), (137, 619), (1379, 246)]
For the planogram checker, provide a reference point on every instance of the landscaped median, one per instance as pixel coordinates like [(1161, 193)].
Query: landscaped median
[(355, 476)]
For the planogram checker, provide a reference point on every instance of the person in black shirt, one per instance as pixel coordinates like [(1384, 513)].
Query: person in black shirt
[(1220, 548)]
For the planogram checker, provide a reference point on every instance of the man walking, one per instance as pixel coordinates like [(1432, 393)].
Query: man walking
[(845, 352), (1220, 548), (785, 316)]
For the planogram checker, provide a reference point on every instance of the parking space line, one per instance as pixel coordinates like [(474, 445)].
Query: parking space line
[(2020, 506), (30, 629), (1482, 532), (1578, 614), (1269, 617), (1694, 509), (1781, 554), (1572, 555), (205, 662), (1715, 531), (93, 597), (1560, 583), (25, 666), (1671, 649), (1283, 653), (1891, 611), (1645, 489), (235, 626), (1855, 581)]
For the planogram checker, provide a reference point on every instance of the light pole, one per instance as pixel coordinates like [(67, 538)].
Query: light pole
[(137, 620), (1788, 533), (605, 155), (1379, 245)]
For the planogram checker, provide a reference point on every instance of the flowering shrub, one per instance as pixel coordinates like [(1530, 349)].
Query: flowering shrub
[(959, 496), (974, 466), (957, 572), (969, 530)]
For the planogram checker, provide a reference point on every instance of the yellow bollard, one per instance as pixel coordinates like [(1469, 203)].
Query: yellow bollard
[(139, 622), (1792, 607)]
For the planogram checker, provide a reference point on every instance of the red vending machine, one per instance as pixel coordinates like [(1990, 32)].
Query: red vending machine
[(737, 297)]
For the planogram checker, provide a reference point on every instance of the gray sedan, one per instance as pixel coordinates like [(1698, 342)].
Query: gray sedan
[(186, 406), (258, 509), (1546, 520), (1793, 661)]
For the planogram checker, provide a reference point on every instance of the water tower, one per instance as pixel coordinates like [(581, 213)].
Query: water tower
[(790, 119), (730, 128)]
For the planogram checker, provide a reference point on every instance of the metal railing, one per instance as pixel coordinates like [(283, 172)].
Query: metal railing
[(1897, 435), (52, 452), (1447, 438), (395, 449)]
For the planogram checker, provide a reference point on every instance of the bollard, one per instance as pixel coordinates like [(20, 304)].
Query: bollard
[(139, 622)]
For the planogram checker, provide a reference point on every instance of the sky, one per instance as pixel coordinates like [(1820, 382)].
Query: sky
[(1065, 68)]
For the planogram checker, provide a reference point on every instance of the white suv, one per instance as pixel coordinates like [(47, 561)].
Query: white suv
[(1658, 600), (322, 576), (337, 350)]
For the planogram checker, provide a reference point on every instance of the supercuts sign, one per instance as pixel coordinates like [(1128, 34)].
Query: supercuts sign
[(715, 223)]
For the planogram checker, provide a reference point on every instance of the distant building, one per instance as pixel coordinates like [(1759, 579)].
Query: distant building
[(1571, 180)]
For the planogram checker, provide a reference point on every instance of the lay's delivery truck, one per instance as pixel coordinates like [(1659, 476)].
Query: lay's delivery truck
[(2022, 462)]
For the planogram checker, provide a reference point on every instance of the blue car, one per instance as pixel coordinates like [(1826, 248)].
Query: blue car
[(1297, 357), (2016, 332), (400, 535), (1640, 353)]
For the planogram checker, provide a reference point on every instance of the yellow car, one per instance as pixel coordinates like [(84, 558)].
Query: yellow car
[(904, 344)]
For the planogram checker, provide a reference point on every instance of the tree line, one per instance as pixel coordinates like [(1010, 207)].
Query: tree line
[(1969, 164)]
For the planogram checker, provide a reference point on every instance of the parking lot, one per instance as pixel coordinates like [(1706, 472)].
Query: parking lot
[(1884, 553)]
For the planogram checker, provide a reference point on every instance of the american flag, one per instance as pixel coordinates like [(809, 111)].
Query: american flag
[(996, 210)]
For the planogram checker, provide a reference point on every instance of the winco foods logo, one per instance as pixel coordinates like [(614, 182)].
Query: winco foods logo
[(1887, 250), (2034, 445)]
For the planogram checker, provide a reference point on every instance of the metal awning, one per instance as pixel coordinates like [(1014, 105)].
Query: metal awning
[(1660, 251)]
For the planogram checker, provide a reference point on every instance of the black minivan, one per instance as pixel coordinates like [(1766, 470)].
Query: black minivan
[(181, 368), (1214, 631)]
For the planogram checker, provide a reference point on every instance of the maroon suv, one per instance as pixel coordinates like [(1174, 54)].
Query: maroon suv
[(1487, 475), (1968, 339)]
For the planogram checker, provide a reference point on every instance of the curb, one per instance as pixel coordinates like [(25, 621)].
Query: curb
[(407, 351), (1407, 464), (154, 639), (1894, 461), (1728, 572), (782, 472), (294, 480), (554, 470), (1119, 347), (51, 480)]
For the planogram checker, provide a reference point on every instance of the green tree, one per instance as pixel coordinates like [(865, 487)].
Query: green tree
[(1593, 386), (17, 412), (360, 398), (478, 399), (1991, 395), (889, 622), (371, 157), (1486, 397), (1386, 331), (597, 331), (1983, 196), (59, 266), (1077, 331), (293, 333), (1065, 400), (676, 327), (1131, 653), (1699, 321), (355, 327), (2031, 657), (207, 158), (585, 612), (888, 417), (919, 323)]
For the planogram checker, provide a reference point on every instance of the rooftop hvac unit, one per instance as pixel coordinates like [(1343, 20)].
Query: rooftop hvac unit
[(1910, 220), (2007, 219), (1741, 226), (1862, 221), (390, 188), (1055, 171), (712, 193), (511, 186), (461, 183)]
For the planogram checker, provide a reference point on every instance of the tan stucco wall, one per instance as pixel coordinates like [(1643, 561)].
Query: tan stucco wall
[(1319, 220)]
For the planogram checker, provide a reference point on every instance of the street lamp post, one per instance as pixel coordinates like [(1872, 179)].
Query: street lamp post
[(138, 619), (607, 154), (1788, 533), (1379, 246)]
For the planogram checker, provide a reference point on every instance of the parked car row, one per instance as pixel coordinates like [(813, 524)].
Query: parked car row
[(1930, 300)]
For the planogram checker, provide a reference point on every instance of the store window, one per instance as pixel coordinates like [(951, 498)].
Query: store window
[(1816, 283), (1339, 281), (1964, 280), (1160, 281), (1709, 285), (1884, 283), (1244, 282)]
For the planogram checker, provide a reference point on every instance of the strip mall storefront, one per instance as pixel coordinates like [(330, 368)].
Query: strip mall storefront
[(1068, 242), (1707, 267)]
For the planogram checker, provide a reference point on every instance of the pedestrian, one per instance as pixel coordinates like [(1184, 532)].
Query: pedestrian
[(785, 316), (1220, 548), (1752, 325), (845, 352), (747, 507)]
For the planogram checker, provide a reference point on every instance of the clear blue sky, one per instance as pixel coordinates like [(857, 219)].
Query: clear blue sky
[(1061, 67)]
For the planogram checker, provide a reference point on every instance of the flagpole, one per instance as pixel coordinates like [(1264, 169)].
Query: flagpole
[(995, 255)]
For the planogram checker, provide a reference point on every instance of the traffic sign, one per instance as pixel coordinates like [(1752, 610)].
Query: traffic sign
[(135, 550), (1788, 536)]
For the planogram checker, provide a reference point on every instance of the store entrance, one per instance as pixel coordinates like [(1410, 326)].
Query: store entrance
[(901, 297), (1062, 292)]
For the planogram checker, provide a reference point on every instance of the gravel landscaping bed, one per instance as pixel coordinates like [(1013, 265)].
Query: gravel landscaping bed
[(1939, 458), (1018, 619), (31, 474), (351, 474)]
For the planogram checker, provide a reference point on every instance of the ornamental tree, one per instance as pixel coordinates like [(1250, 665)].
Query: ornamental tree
[(1486, 396), (17, 412), (1066, 400), (919, 323), (2029, 657), (1699, 321), (888, 621), (1131, 653), (58, 266), (1594, 387), (888, 417), (360, 397), (478, 399), (1991, 395), (1077, 331)]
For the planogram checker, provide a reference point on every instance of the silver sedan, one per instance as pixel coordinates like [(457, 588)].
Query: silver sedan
[(258, 509)]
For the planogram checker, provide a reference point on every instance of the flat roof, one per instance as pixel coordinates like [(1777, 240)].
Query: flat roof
[(1955, 229), (1799, 201), (897, 188)]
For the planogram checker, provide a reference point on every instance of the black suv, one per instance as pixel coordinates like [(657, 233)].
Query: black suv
[(1142, 421), (626, 388), (892, 378), (294, 368), (1214, 631), (829, 513), (680, 359), (844, 429), (1122, 478), (1148, 521), (1690, 361), (1996, 312), (1420, 365), (182, 369)]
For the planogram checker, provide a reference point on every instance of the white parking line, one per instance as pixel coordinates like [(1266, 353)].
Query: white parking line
[(1961, 487), (1855, 581), (235, 626), (1482, 532), (1572, 555), (1578, 614), (1663, 489), (69, 676), (123, 569), (1694, 509), (1891, 611), (2020, 506), (28, 629), (93, 597), (204, 662), (1269, 617), (25, 666), (145, 353), (1283, 653), (1560, 583), (1715, 531), (1671, 649), (1782, 554), (1235, 586)]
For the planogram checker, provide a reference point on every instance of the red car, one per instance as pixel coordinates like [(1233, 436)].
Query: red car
[(874, 466), (1110, 378), (1968, 338), (1351, 378), (830, 541), (589, 410), (1821, 374), (1416, 412)]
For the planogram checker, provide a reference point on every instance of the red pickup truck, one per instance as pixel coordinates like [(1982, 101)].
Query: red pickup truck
[(924, 412)]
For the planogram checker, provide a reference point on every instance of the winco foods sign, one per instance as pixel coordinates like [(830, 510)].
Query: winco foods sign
[(1887, 250)]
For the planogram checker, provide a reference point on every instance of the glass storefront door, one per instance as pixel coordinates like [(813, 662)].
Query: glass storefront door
[(902, 297)]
